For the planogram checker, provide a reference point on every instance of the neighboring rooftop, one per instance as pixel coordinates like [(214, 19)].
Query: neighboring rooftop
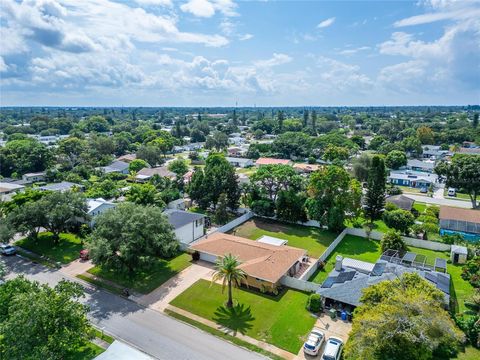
[(116, 166), (401, 201), (161, 171), (8, 186), (259, 260), (94, 204), (179, 218), (61, 186), (454, 213), (272, 161), (414, 163)]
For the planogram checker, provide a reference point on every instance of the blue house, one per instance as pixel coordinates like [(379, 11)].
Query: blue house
[(414, 179)]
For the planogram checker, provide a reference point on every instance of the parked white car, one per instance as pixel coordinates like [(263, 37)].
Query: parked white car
[(333, 349), (314, 342), (451, 192)]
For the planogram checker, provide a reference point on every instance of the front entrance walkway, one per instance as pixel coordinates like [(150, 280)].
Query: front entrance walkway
[(159, 298), (77, 267), (337, 328)]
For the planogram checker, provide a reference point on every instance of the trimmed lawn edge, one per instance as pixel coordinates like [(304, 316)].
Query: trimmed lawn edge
[(100, 284), (232, 339), (100, 334), (42, 260)]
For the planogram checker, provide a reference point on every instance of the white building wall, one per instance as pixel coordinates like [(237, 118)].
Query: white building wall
[(188, 233)]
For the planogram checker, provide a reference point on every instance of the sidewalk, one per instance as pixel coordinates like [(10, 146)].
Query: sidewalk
[(77, 267), (271, 348)]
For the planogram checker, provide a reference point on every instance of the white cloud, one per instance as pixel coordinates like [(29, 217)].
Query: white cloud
[(353, 51), (340, 76), (277, 59), (167, 3), (3, 66), (326, 23), (245, 37), (207, 8)]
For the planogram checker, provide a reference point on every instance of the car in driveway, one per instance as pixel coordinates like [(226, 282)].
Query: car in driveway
[(6, 249), (333, 349), (314, 342)]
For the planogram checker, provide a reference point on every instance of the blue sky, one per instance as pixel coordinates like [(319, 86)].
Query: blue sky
[(223, 52)]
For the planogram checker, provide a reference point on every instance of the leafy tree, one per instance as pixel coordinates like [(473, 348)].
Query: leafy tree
[(396, 159), (151, 154), (412, 145), (393, 240), (376, 142), (463, 173), (39, 322), (70, 150), (103, 189), (21, 198), (144, 194), (375, 196), (62, 210), (271, 179), (137, 165), (227, 269), (314, 121), (130, 237), (217, 141), (359, 140), (179, 167), (475, 120), (280, 119), (291, 206), (425, 135), (221, 214), (292, 144), (28, 218), (471, 271), (314, 303), (400, 220), (402, 319), (263, 207), (94, 124), (305, 118), (22, 156), (361, 167), (3, 270), (333, 197), (333, 152)]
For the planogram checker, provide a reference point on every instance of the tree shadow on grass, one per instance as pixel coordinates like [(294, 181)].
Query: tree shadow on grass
[(236, 319)]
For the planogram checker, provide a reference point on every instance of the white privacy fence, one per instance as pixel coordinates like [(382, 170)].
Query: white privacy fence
[(234, 223), (298, 284)]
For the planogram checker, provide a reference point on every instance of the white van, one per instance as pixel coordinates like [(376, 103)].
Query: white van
[(333, 349), (451, 192)]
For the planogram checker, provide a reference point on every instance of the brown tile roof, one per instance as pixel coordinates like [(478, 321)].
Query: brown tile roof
[(161, 171), (465, 150), (259, 260), (306, 167), (272, 161), (453, 213), (127, 158)]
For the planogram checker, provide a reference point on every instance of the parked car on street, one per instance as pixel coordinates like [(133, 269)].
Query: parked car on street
[(451, 192), (6, 249), (333, 349), (314, 342), (423, 190)]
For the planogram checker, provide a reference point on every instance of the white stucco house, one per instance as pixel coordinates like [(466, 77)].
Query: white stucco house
[(97, 207), (188, 226), (34, 177)]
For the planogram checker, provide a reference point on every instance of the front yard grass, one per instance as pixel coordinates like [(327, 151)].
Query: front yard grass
[(66, 250), (147, 280), (312, 239), (280, 320), (470, 354), (87, 352)]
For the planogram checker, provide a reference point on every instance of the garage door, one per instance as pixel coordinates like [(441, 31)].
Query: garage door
[(208, 257)]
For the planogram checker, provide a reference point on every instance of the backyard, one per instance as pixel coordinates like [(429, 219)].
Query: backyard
[(279, 320), (66, 250), (312, 239), (360, 248), (147, 280)]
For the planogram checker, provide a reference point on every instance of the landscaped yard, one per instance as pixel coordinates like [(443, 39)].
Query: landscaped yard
[(470, 354), (312, 239), (145, 281), (279, 320), (360, 248), (87, 352), (67, 249)]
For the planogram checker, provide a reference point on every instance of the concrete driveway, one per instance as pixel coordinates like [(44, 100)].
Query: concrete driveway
[(159, 298)]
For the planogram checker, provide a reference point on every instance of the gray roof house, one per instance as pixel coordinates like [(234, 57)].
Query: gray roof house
[(434, 151), (61, 186), (187, 226), (401, 201), (115, 167), (346, 282), (240, 162), (418, 165), (416, 179)]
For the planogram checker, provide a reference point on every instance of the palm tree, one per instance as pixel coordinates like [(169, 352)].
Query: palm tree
[(227, 269)]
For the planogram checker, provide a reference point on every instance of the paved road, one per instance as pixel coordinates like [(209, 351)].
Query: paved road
[(444, 201), (150, 331)]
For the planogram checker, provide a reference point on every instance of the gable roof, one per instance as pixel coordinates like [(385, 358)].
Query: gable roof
[(161, 171), (179, 218), (453, 213), (61, 186), (421, 164), (94, 204), (272, 161), (259, 260), (401, 201)]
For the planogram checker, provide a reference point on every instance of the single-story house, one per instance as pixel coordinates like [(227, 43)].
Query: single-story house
[(115, 167), (146, 173), (128, 158), (418, 165), (401, 201), (413, 179), (7, 190), (272, 161), (61, 186), (346, 282), (97, 207), (188, 226), (189, 147), (34, 177), (236, 140), (433, 152), (178, 204), (239, 162), (465, 222), (264, 264), (468, 151), (306, 168)]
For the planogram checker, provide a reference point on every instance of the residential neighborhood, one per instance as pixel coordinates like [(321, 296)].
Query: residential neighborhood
[(241, 180)]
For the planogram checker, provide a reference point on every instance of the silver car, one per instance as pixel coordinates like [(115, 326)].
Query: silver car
[(314, 342), (333, 349), (6, 249)]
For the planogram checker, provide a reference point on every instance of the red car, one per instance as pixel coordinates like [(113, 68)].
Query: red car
[(84, 254)]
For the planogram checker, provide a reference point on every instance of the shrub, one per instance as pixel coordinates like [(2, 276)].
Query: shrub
[(390, 206), (394, 190), (399, 219), (452, 239), (433, 211), (314, 303), (195, 256), (393, 240), (428, 219), (263, 207), (471, 271)]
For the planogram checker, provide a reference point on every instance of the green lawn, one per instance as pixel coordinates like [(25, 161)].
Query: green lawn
[(470, 354), (67, 250), (148, 280), (279, 320), (87, 352), (369, 250), (420, 207), (312, 239)]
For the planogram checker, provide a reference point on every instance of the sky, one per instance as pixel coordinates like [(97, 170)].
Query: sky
[(245, 53)]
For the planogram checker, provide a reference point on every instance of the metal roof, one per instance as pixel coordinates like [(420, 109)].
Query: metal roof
[(179, 218)]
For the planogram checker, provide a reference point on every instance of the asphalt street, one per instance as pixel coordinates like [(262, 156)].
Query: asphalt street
[(150, 331)]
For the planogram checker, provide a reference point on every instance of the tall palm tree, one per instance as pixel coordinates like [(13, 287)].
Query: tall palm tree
[(227, 269)]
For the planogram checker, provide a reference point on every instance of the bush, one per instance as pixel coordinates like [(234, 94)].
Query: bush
[(471, 271), (452, 239), (399, 219), (394, 190), (469, 325), (393, 240), (195, 256), (390, 207), (428, 219), (314, 303), (433, 211), (263, 207)]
